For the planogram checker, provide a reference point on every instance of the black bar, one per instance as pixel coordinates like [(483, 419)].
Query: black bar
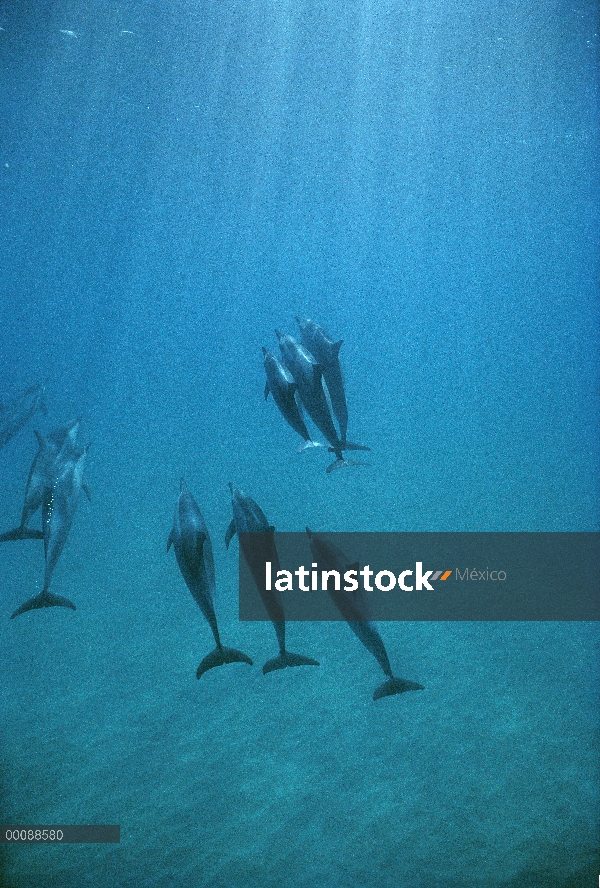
[(58, 835)]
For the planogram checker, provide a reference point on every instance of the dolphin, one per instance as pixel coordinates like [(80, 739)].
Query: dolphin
[(248, 518), (53, 449), (326, 352), (58, 509), (307, 375), (18, 412), (193, 551), (353, 608), (284, 389)]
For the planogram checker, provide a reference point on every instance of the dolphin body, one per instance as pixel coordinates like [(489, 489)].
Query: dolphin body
[(353, 608), (18, 412), (326, 352), (248, 517), (193, 551), (58, 509), (53, 450), (307, 375), (284, 389)]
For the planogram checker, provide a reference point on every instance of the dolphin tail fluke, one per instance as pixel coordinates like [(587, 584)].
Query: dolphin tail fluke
[(338, 464), (396, 686), (342, 463), (219, 657), (21, 533), (350, 445), (285, 659), (44, 599)]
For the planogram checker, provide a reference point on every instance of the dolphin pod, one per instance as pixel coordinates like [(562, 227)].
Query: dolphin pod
[(297, 382), (193, 550), (16, 413), (353, 608), (307, 374), (58, 509), (248, 517), (55, 482)]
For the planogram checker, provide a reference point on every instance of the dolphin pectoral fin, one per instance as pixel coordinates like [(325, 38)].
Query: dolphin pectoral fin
[(44, 599), (219, 657), (230, 533), (267, 390), (396, 686), (21, 533), (86, 490), (285, 659)]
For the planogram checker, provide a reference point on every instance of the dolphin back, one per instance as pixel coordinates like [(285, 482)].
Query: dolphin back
[(19, 411), (231, 532)]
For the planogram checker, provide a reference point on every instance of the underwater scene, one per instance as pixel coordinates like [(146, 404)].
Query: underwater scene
[(324, 264)]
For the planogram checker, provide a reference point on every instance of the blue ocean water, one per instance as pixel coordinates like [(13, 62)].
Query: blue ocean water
[(176, 181)]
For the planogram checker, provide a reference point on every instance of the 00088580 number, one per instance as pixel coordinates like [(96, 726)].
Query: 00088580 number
[(34, 835)]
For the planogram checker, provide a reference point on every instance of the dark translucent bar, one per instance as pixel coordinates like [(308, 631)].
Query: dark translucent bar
[(478, 576), (58, 835)]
